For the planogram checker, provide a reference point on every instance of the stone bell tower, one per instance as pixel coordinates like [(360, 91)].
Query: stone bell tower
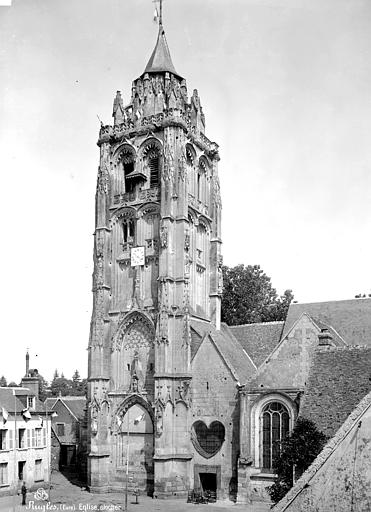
[(157, 263)]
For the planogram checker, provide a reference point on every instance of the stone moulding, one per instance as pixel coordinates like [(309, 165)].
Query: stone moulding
[(328, 450)]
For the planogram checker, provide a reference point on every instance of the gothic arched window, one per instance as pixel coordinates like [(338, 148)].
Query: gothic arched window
[(275, 426), (127, 159)]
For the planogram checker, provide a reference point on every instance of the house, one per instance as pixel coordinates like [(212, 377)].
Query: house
[(25, 429), (67, 431)]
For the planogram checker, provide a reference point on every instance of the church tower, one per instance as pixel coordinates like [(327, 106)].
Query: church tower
[(157, 265)]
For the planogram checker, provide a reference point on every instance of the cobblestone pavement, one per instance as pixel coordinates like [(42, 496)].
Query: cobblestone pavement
[(68, 497)]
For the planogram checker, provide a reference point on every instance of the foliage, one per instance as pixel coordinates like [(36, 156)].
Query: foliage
[(43, 386), (3, 382), (248, 296), (72, 387), (12, 384), (298, 451)]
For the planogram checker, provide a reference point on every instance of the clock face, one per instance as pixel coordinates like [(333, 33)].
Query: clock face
[(137, 256)]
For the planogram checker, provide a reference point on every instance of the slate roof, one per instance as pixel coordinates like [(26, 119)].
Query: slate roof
[(160, 59), (235, 357), (9, 399), (351, 319), (338, 379), (9, 402), (258, 340), (76, 404)]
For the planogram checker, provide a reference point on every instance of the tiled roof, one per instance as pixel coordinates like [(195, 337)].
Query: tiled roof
[(9, 399), (258, 340), (351, 319), (196, 340), (76, 404), (338, 379), (232, 352)]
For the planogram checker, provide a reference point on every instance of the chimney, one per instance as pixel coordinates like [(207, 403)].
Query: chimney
[(325, 339), (27, 363)]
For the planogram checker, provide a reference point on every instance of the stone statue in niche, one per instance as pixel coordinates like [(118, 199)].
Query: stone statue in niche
[(159, 421), (136, 374)]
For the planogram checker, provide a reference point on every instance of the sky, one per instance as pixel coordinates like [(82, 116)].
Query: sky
[(286, 90)]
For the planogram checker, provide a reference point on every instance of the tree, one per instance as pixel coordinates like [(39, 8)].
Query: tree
[(248, 296), (77, 385), (60, 386), (13, 384), (3, 382), (298, 451), (43, 384)]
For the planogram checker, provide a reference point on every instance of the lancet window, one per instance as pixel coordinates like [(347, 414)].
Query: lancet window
[(275, 424)]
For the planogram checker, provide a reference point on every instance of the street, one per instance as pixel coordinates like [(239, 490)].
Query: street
[(66, 496)]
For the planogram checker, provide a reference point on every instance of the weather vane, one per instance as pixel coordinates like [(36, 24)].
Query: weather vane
[(158, 14)]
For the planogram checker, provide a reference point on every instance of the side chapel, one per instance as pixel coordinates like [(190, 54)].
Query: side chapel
[(176, 398)]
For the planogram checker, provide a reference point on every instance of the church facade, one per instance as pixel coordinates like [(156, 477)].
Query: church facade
[(157, 271), (177, 400)]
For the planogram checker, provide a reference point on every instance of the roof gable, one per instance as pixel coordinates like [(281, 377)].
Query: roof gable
[(351, 319), (238, 362), (258, 340)]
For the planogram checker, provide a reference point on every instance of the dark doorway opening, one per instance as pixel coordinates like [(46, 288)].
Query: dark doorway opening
[(21, 465), (208, 482)]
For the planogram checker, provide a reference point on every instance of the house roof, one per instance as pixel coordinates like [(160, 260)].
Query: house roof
[(233, 354), (9, 399), (351, 319), (342, 443), (338, 379), (76, 404), (258, 340), (160, 59)]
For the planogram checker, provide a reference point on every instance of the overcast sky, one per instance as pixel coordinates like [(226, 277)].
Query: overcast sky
[(285, 86)]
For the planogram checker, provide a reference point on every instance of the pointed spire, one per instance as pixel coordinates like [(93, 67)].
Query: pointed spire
[(160, 59)]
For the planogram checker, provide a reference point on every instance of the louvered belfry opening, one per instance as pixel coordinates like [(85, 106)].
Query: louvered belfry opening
[(128, 165), (154, 167)]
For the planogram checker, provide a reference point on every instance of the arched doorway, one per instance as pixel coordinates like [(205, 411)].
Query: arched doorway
[(134, 445)]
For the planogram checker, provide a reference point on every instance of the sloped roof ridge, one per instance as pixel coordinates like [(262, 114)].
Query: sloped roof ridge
[(274, 322), (325, 454), (72, 397), (225, 358), (331, 301)]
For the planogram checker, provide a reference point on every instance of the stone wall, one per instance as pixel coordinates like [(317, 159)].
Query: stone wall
[(214, 398)]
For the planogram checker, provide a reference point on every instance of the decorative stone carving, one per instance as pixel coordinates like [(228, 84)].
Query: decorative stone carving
[(103, 179), (183, 392), (136, 374), (164, 235), (159, 420), (135, 331)]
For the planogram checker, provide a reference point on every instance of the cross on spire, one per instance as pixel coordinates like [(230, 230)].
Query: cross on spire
[(158, 13)]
